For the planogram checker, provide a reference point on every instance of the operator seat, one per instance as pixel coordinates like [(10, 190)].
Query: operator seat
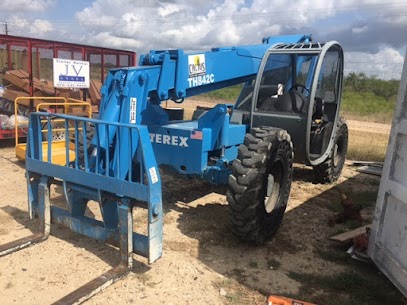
[(319, 108), (291, 101)]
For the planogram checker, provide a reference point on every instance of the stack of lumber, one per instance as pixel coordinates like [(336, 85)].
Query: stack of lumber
[(18, 85), (19, 81), (94, 91)]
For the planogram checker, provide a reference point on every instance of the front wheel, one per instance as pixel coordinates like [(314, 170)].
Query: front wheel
[(260, 184), (58, 132), (90, 132), (330, 170)]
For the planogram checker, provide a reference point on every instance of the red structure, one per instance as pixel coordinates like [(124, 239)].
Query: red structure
[(35, 56)]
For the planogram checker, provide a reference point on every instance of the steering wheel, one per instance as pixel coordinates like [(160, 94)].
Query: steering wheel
[(304, 88)]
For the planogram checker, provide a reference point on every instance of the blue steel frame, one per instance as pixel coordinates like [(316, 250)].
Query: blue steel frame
[(134, 95), (132, 137), (101, 178)]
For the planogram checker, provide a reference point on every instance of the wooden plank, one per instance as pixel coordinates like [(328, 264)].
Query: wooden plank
[(349, 235), (371, 163), (95, 108), (19, 78), (46, 89), (21, 83), (19, 73), (12, 95), (94, 92), (23, 73), (75, 94), (372, 170)]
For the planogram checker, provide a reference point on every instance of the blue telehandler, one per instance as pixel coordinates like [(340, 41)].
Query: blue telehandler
[(287, 111)]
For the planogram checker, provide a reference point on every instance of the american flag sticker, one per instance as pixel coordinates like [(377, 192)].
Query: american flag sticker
[(196, 134)]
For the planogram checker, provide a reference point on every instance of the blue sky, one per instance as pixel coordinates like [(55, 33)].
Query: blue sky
[(372, 32)]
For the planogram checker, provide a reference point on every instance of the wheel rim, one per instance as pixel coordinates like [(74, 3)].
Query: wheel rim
[(57, 131), (58, 135), (274, 184)]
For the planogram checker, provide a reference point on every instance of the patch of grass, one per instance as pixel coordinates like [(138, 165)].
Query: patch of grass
[(366, 199), (349, 287), (372, 181), (333, 255), (235, 297), (229, 93), (237, 294), (332, 205), (339, 230), (352, 224), (367, 105), (282, 244), (380, 117), (254, 264), (272, 262), (143, 277), (237, 272), (367, 146)]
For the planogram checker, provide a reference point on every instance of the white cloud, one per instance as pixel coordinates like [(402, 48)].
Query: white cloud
[(94, 17), (364, 26), (385, 64), (198, 24), (25, 5), (41, 26), (105, 39), (37, 28), (168, 9), (359, 30)]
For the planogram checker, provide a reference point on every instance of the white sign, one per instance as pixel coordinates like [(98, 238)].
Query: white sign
[(153, 175), (71, 73), (133, 110)]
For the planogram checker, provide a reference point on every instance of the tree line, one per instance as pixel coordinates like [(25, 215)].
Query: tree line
[(360, 83)]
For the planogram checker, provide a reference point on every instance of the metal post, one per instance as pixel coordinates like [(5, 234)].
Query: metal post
[(44, 222), (103, 281)]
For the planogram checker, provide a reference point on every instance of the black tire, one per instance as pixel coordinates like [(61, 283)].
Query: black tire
[(330, 170), (90, 132), (57, 130), (260, 184)]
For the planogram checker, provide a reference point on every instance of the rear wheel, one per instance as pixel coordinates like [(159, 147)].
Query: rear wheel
[(330, 170), (260, 184)]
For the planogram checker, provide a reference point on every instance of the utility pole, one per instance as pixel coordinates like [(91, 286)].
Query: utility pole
[(6, 27)]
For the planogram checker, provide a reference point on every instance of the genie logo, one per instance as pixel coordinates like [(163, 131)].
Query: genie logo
[(196, 65)]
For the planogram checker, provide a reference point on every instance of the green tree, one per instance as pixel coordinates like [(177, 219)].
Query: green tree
[(356, 82)]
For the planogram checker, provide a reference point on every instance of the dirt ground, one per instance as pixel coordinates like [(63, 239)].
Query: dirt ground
[(203, 263)]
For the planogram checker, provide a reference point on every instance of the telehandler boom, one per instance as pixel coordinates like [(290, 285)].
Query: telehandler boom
[(289, 105)]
